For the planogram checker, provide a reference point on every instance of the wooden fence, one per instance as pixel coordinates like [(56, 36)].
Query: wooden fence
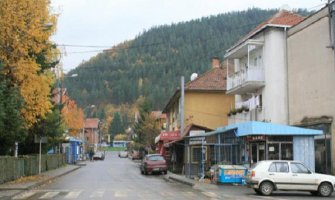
[(12, 168)]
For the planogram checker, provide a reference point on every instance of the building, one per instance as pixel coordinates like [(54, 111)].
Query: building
[(311, 82), (259, 79), (247, 143), (202, 107), (91, 133)]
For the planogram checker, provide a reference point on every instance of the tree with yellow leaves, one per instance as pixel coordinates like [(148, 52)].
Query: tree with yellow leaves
[(27, 53), (73, 117)]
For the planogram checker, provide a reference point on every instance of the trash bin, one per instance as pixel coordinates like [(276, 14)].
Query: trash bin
[(232, 174)]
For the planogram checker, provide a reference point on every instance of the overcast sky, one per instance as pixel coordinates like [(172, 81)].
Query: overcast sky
[(109, 22)]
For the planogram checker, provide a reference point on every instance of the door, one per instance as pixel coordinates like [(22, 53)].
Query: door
[(302, 178), (279, 173), (257, 152)]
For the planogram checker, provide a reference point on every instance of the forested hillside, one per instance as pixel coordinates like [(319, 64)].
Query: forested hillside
[(152, 63)]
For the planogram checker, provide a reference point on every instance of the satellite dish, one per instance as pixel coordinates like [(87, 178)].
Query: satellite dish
[(194, 76)]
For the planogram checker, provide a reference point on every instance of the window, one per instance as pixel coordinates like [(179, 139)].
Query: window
[(196, 154), (155, 158), (281, 167), (299, 168)]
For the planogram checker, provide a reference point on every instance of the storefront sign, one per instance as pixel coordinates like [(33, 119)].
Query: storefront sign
[(256, 138), (170, 135), (198, 140)]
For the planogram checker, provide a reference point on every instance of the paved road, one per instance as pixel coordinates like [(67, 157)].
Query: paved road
[(114, 178), (120, 178)]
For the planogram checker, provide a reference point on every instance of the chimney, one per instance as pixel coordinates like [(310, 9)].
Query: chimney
[(216, 62)]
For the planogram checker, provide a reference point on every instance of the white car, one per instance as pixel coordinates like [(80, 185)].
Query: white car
[(270, 175)]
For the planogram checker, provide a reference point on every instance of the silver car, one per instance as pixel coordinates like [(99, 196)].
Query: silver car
[(270, 175)]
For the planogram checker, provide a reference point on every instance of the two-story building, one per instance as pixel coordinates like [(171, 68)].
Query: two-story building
[(311, 82), (91, 133), (204, 107), (259, 79)]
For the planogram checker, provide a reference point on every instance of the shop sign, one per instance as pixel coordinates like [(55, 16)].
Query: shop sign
[(198, 140), (170, 135), (256, 138)]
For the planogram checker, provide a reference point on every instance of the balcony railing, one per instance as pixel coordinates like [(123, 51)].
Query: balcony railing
[(246, 80)]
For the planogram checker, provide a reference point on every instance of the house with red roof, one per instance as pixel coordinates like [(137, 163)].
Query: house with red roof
[(259, 78), (205, 107)]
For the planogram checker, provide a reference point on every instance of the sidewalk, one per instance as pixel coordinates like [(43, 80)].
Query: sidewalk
[(26, 183), (218, 190)]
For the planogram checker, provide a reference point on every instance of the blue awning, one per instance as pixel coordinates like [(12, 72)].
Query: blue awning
[(263, 128)]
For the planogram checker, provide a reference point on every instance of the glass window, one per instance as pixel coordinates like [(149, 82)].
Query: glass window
[(273, 151), (281, 167), (286, 151), (155, 158), (299, 168)]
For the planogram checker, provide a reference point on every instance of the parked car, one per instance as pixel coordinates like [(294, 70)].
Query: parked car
[(136, 155), (270, 175), (152, 163), (123, 154), (99, 156)]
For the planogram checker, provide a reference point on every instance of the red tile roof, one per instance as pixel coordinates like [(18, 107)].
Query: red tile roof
[(281, 18), (214, 79), (92, 123)]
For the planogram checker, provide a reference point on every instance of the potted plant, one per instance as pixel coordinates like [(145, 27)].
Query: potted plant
[(245, 108), (239, 110), (233, 111)]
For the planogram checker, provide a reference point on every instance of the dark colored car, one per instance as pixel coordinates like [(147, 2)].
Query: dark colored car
[(153, 163)]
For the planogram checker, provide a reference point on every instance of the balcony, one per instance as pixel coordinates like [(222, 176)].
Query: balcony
[(246, 80)]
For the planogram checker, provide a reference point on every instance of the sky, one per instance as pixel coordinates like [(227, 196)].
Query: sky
[(102, 24)]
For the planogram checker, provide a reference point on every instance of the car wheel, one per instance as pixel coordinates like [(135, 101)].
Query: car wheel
[(325, 189), (257, 191), (266, 188)]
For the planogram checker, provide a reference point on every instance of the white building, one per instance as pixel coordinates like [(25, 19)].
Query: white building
[(259, 79)]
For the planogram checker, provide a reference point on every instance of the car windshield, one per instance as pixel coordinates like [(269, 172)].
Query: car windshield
[(155, 158)]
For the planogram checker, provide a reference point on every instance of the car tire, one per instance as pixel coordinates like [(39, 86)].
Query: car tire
[(257, 191), (266, 188), (325, 189)]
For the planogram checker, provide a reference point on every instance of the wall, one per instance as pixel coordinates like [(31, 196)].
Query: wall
[(207, 109), (311, 72), (275, 91)]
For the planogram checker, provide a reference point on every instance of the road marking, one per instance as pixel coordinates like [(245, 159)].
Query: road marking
[(72, 195), (49, 195), (189, 194), (120, 194), (25, 195), (210, 194), (98, 194)]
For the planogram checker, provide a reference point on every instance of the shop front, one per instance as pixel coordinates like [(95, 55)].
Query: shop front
[(248, 143)]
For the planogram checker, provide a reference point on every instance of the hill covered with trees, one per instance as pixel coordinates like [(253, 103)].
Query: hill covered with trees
[(151, 64)]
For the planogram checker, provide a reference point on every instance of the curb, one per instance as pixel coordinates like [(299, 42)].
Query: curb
[(179, 180)]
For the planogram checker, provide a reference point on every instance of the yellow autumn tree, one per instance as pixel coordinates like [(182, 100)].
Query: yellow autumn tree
[(73, 117), (25, 29)]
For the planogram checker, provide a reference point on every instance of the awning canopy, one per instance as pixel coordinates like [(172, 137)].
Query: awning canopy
[(168, 136), (263, 128)]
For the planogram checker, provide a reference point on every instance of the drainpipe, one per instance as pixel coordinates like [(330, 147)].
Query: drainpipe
[(182, 102), (332, 25), (287, 78)]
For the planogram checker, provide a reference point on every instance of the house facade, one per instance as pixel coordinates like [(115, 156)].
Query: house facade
[(204, 107), (311, 82), (259, 78), (91, 133)]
